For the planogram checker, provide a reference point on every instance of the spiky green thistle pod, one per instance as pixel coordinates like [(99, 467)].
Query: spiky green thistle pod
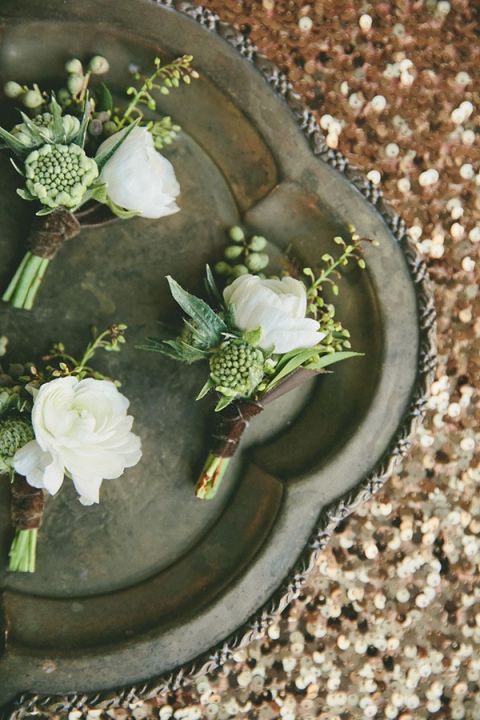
[(59, 175), (44, 122), (236, 368), (14, 434)]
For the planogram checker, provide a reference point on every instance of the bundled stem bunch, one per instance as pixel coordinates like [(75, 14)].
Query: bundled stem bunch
[(76, 152), (24, 457), (261, 338)]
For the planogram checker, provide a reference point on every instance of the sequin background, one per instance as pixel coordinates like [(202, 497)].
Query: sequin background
[(389, 623)]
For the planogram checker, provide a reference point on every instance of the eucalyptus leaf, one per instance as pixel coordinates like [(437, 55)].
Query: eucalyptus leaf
[(202, 314)]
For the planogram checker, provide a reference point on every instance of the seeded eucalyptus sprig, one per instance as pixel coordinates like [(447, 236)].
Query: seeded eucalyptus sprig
[(162, 80), (243, 255), (59, 363)]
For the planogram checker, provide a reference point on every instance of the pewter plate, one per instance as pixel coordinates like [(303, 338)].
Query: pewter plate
[(154, 585)]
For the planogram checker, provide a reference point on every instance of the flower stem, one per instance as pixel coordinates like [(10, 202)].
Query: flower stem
[(23, 551), (211, 476), (25, 283)]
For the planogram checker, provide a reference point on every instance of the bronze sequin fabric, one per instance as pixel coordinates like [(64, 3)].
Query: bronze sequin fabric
[(388, 625)]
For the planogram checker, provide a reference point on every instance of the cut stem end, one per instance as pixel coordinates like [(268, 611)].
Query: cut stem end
[(211, 476), (23, 551), (23, 288)]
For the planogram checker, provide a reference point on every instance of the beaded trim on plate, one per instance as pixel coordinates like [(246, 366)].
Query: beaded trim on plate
[(334, 513)]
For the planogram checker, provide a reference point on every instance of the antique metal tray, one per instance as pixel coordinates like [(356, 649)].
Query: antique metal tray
[(153, 585)]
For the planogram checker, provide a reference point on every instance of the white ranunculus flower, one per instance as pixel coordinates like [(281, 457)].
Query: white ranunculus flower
[(278, 308), (138, 177), (82, 430)]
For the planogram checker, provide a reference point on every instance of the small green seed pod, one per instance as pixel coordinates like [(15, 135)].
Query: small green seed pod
[(233, 251), (74, 66), (236, 234), (239, 270), (257, 243), (12, 89), (32, 99), (223, 268), (63, 96), (75, 83), (110, 128), (99, 65), (257, 261)]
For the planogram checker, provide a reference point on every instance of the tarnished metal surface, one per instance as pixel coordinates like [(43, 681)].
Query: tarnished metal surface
[(152, 577)]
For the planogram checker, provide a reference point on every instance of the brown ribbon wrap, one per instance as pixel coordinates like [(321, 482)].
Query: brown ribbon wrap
[(231, 424), (234, 420), (49, 233), (27, 505)]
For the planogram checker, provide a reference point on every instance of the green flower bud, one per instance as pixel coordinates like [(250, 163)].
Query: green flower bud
[(32, 99), (239, 270), (237, 368), (12, 89), (75, 83), (236, 234), (110, 128), (257, 243), (233, 251), (257, 261), (95, 127), (223, 268), (14, 434), (99, 65), (70, 127), (59, 175), (63, 96), (74, 66)]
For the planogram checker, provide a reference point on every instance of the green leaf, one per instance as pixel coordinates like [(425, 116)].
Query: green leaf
[(290, 362), (10, 399), (58, 129), (116, 209), (13, 144), (16, 167), (223, 403), (35, 131), (331, 358), (45, 210), (252, 337), (212, 287), (175, 349), (103, 98), (205, 390), (206, 320), (24, 194), (79, 138), (105, 156)]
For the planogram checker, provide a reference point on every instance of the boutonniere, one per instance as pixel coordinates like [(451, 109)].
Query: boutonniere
[(84, 161), (260, 338), (61, 419)]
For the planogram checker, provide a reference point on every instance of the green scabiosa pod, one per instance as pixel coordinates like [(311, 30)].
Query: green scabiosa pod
[(44, 124), (59, 175), (14, 434), (236, 368)]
